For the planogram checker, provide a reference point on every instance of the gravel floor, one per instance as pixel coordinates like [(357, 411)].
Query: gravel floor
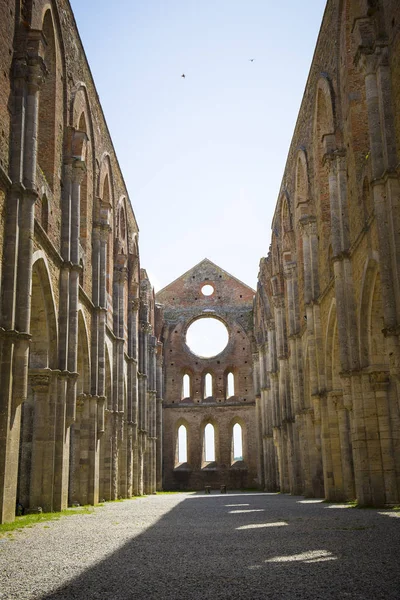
[(183, 546)]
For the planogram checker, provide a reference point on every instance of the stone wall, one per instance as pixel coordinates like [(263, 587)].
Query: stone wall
[(78, 357), (183, 303), (328, 303)]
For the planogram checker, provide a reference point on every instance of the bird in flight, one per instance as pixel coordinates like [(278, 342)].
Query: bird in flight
[(251, 59), (183, 75)]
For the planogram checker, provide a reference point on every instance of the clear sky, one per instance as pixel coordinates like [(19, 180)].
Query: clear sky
[(202, 156)]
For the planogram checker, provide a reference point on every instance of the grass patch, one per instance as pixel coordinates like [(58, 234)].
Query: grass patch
[(29, 521)]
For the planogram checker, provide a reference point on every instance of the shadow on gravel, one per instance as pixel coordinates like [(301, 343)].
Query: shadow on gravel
[(203, 548)]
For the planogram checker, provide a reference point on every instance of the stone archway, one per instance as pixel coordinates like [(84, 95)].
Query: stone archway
[(37, 447)]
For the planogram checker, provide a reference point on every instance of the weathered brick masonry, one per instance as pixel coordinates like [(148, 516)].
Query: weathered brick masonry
[(84, 349), (183, 302), (80, 415), (328, 303)]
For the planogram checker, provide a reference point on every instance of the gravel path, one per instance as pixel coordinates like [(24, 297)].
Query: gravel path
[(189, 546)]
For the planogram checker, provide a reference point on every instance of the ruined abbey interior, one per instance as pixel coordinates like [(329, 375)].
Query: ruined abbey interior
[(101, 395)]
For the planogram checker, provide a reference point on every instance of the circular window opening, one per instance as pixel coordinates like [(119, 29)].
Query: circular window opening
[(207, 337), (207, 290)]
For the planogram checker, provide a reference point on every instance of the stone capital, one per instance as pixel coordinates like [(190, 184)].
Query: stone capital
[(80, 402), (290, 269), (278, 301), (20, 68), (135, 304), (78, 171), (336, 397), (36, 74), (335, 158), (379, 381), (121, 274), (308, 225), (270, 324), (40, 380), (146, 327)]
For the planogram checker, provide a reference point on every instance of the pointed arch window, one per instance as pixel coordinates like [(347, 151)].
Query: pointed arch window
[(367, 199), (209, 443), (237, 442), (186, 386), (45, 213), (48, 105), (182, 444), (230, 385), (83, 206), (81, 272), (208, 385)]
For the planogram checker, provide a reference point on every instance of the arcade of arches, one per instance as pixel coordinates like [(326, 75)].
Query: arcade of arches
[(100, 394)]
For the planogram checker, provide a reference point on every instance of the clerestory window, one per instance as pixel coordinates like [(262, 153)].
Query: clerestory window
[(186, 386), (237, 442), (209, 443), (182, 444), (230, 385), (208, 385)]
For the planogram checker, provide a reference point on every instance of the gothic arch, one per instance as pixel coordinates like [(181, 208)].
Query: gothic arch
[(178, 424), (207, 371), (332, 358), (371, 324), (210, 421), (186, 372), (238, 421), (302, 200), (44, 330), (83, 386), (108, 388), (323, 144), (370, 272), (121, 227), (105, 209), (106, 192), (51, 101), (324, 115), (81, 121)]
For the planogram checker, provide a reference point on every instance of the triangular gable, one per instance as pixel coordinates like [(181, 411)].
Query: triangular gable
[(196, 267)]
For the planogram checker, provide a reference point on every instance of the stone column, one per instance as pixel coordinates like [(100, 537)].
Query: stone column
[(285, 467), (29, 72), (101, 233), (382, 469), (292, 375), (159, 423), (345, 447), (42, 465), (143, 404), (133, 394), (259, 419), (373, 59), (78, 172), (327, 433), (311, 434)]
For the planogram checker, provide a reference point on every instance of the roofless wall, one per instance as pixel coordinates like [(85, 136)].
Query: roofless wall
[(209, 405)]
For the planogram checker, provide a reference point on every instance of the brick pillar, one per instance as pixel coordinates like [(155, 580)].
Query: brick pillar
[(28, 75), (43, 448), (159, 423), (145, 331), (344, 425), (133, 393)]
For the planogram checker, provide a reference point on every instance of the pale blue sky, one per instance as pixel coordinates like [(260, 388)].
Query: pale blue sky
[(203, 156)]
